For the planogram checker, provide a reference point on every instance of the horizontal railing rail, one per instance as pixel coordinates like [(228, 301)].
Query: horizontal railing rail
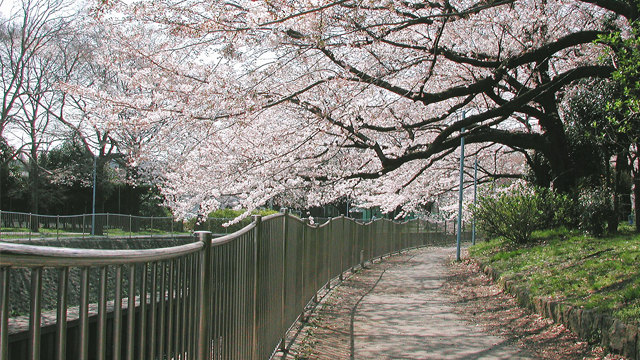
[(232, 297)]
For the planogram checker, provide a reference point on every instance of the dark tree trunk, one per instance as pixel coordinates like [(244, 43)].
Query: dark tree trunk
[(636, 192), (558, 150)]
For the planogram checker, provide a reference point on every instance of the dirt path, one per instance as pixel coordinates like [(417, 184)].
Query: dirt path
[(419, 305)]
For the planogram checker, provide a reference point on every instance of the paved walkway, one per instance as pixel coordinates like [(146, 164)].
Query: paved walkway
[(396, 309)]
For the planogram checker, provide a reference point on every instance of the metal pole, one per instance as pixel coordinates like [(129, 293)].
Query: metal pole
[(475, 193), (460, 192), (93, 212)]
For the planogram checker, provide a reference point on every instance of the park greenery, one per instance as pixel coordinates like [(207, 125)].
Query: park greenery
[(567, 265), (514, 213), (562, 248)]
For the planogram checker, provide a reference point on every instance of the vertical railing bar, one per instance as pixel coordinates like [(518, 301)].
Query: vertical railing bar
[(204, 303), (217, 277), (153, 299), (5, 277), (327, 254), (239, 297), (162, 311), (186, 310), (342, 240), (61, 318), (191, 348), (226, 304), (236, 297), (84, 314), (171, 312), (283, 305), (223, 311), (179, 299), (183, 314), (197, 294), (35, 313), (131, 313), (247, 272), (143, 312), (304, 264), (256, 239), (102, 315), (117, 316)]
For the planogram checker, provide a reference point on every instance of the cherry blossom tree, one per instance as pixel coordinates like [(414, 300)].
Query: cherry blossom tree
[(313, 100)]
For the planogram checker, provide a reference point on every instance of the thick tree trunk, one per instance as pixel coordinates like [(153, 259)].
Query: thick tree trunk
[(558, 151)]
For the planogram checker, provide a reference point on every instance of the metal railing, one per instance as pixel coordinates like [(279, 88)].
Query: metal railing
[(233, 297), (15, 225)]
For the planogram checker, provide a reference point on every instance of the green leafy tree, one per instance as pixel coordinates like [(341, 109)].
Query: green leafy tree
[(595, 140), (624, 109)]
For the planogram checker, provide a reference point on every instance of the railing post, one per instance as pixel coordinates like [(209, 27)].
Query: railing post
[(283, 312), (256, 265), (4, 312), (328, 240), (304, 266), (204, 300), (35, 313), (342, 240)]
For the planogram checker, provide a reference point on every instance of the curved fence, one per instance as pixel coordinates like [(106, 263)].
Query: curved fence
[(232, 297)]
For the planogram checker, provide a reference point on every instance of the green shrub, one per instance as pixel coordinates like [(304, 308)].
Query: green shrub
[(596, 207), (558, 210), (513, 215)]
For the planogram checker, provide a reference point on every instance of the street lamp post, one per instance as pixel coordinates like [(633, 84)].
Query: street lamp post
[(458, 237), (93, 211), (475, 193)]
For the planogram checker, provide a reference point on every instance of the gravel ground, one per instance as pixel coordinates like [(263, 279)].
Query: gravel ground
[(328, 330)]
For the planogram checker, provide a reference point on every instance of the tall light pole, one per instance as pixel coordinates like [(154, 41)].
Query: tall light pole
[(460, 191), (93, 211), (475, 193)]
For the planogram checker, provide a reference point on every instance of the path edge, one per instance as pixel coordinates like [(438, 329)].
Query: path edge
[(593, 326)]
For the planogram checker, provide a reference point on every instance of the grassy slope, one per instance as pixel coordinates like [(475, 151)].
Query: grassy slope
[(602, 273)]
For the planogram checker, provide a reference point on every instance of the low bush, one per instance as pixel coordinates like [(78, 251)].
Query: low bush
[(512, 215), (595, 208), (515, 213)]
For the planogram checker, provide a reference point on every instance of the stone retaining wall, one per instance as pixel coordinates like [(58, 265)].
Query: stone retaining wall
[(595, 327)]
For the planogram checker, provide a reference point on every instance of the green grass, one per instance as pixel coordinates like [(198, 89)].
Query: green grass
[(595, 273)]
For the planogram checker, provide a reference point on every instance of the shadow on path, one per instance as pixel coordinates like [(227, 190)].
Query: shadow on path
[(397, 310)]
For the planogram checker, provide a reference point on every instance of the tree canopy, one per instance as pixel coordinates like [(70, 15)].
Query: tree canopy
[(314, 100)]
